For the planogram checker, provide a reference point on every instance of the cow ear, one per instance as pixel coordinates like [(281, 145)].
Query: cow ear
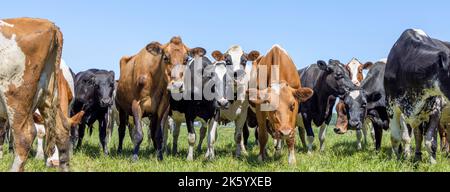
[(252, 56), (198, 51), (323, 66), (303, 94), (258, 97), (218, 56), (368, 65), (374, 97), (112, 73), (155, 48)]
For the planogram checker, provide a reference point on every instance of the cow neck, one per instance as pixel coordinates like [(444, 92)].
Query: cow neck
[(164, 68), (324, 90)]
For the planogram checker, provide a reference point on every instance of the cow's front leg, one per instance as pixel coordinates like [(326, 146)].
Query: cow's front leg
[(418, 136), (103, 134), (240, 147), (396, 132), (431, 136), (137, 134), (262, 136), (191, 136), (291, 146), (213, 123), (176, 134), (406, 137), (359, 137), (203, 130), (322, 136)]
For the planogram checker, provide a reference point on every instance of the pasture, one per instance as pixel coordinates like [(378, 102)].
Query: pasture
[(340, 156)]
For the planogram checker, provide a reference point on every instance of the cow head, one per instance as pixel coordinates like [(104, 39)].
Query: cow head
[(104, 87), (284, 102), (336, 77), (85, 88), (356, 106), (356, 68), (230, 74)]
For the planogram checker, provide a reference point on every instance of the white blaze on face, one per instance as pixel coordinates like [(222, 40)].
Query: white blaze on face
[(354, 69), (236, 53), (354, 94), (12, 69)]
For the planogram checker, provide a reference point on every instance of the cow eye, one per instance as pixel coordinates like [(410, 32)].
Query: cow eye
[(364, 105), (166, 59)]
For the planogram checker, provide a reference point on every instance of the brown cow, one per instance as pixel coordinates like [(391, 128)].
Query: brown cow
[(30, 54), (444, 129), (142, 89), (279, 96)]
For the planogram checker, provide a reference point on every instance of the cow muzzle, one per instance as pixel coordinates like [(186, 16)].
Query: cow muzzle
[(223, 103), (176, 87), (106, 102)]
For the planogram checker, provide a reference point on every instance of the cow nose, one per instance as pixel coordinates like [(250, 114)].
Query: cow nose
[(286, 132), (223, 103), (354, 123), (338, 131)]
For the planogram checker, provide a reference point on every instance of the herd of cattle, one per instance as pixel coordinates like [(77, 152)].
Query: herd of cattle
[(171, 84)]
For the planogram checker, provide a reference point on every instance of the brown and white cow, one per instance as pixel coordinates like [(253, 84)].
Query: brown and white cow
[(279, 94), (142, 89), (30, 54)]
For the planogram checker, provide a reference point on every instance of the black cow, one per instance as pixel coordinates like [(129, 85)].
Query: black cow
[(369, 103), (417, 88), (94, 95), (328, 82), (191, 100)]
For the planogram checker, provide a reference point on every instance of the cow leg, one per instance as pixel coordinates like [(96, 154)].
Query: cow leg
[(322, 136), (238, 136), (123, 121), (26, 132), (103, 134), (40, 142), (301, 130), (262, 135), (2, 140), (431, 136), (213, 123), (137, 134), (443, 136), (191, 136), (81, 132), (406, 137), (359, 137), (176, 134), (291, 146), (203, 130), (310, 134), (418, 136), (256, 136), (378, 135), (245, 134), (447, 129), (396, 131)]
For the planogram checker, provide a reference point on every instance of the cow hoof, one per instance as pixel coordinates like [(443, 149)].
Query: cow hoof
[(309, 152), (199, 149), (260, 159), (135, 158), (417, 158), (40, 156), (292, 162), (359, 147), (119, 151), (175, 150), (190, 158), (1, 154), (433, 161), (277, 154)]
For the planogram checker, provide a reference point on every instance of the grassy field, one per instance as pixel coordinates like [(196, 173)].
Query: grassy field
[(340, 156)]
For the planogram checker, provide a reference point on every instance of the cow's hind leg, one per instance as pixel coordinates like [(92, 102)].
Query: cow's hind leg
[(24, 133), (191, 136), (40, 142), (240, 123), (213, 123), (2, 137), (322, 136), (396, 130), (123, 121), (176, 134)]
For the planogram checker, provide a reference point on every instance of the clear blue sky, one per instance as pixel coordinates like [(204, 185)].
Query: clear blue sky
[(98, 33)]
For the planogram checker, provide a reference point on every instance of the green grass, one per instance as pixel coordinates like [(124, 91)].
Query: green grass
[(340, 156)]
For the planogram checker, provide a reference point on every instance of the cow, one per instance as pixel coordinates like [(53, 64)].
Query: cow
[(275, 94), (233, 77), (142, 90), (368, 105), (94, 95), (328, 81), (190, 100), (30, 56), (417, 89)]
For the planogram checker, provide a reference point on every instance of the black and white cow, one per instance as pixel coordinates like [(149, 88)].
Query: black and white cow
[(191, 101), (94, 95), (232, 81), (328, 81), (368, 105), (417, 88)]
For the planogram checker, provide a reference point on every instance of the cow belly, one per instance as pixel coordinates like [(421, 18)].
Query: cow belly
[(445, 118), (12, 68), (235, 110)]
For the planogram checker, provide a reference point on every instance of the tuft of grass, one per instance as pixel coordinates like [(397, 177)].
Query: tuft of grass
[(340, 155)]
